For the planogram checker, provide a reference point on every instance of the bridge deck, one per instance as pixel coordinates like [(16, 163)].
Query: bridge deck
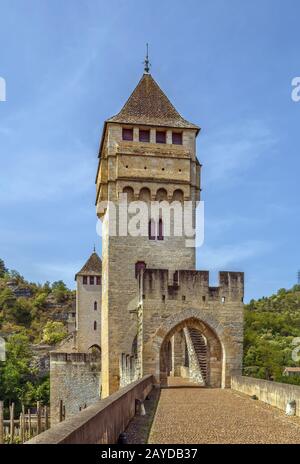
[(197, 415)]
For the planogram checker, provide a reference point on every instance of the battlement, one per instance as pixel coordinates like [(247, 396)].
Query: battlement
[(162, 283), (59, 357)]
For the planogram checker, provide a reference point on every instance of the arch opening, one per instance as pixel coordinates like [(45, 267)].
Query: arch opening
[(192, 351)]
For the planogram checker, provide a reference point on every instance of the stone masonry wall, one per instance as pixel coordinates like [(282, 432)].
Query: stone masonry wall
[(274, 393), (75, 379)]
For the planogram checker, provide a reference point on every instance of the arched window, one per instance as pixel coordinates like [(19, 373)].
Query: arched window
[(161, 194), (177, 195), (130, 193), (95, 325), (95, 305), (152, 230), (145, 194)]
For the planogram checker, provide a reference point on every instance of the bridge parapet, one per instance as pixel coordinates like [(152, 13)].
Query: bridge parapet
[(175, 285), (102, 422)]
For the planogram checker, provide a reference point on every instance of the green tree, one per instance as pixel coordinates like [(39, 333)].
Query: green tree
[(54, 332), (7, 299), (3, 269), (60, 291), (16, 370)]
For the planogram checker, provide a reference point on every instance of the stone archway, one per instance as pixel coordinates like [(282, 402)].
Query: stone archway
[(219, 341), (209, 373)]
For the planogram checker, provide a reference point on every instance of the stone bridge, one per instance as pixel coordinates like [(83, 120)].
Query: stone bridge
[(190, 414)]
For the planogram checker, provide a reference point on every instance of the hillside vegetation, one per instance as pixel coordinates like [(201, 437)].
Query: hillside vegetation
[(271, 326), (30, 314)]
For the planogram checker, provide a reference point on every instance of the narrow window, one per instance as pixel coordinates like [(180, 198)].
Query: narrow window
[(98, 280), (203, 298), (84, 280), (160, 136), (223, 299), (95, 305), (177, 138), (91, 280), (139, 266), (160, 230), (176, 278), (144, 135), (127, 134), (151, 230), (95, 325)]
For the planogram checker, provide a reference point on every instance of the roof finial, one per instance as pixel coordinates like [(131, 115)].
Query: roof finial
[(147, 62), (94, 248)]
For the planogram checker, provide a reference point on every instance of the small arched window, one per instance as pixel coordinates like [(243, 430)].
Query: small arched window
[(145, 194), (95, 305), (161, 194), (129, 192), (95, 325)]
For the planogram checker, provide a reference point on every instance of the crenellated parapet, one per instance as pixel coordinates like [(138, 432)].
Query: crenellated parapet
[(60, 357), (163, 284)]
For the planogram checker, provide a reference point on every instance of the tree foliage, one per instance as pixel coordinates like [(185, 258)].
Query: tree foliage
[(271, 325), (24, 322)]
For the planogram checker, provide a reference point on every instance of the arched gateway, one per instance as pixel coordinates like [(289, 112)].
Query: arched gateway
[(192, 350), (222, 354)]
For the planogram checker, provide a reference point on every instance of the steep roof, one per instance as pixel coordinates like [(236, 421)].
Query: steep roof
[(149, 105), (92, 266)]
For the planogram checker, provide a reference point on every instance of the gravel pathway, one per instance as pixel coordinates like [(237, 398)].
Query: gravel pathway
[(199, 415)]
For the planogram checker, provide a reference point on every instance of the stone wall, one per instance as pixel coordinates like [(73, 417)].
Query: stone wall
[(75, 379), (102, 422), (274, 393)]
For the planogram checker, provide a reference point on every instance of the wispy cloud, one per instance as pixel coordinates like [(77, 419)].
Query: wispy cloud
[(43, 176), (234, 149), (219, 258)]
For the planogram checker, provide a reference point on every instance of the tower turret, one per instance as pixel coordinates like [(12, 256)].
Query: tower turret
[(148, 152)]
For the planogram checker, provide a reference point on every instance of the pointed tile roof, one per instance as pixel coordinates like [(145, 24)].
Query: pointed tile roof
[(93, 266), (149, 105)]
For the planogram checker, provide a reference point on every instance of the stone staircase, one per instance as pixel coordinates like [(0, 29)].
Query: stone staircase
[(200, 350)]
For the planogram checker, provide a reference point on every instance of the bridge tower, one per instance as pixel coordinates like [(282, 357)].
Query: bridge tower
[(147, 151)]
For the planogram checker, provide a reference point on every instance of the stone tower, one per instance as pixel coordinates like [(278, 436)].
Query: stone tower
[(147, 151), (88, 305)]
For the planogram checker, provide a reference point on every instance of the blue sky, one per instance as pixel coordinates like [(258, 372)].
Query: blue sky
[(227, 65)]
